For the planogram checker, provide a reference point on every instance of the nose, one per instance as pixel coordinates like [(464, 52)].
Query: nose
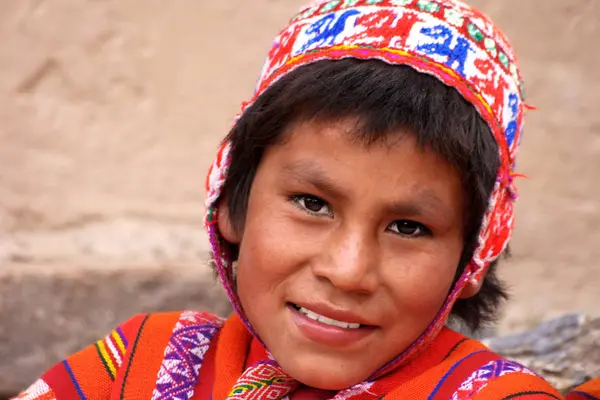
[(350, 260)]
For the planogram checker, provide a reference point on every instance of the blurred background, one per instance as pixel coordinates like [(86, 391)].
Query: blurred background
[(110, 112)]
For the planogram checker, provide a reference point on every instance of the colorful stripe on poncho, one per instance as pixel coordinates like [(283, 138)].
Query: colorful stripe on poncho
[(197, 356)]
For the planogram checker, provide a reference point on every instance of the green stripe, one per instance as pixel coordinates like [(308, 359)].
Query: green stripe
[(112, 377), (133, 349), (456, 346), (531, 393)]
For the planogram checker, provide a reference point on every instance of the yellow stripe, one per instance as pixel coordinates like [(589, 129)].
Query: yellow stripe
[(110, 345), (106, 357), (119, 342)]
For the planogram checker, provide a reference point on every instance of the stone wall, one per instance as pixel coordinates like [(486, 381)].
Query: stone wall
[(565, 351), (110, 115)]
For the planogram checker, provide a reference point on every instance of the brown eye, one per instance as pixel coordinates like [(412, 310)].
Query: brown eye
[(409, 228), (312, 205)]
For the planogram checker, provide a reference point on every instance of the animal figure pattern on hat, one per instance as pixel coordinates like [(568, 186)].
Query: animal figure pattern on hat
[(443, 38)]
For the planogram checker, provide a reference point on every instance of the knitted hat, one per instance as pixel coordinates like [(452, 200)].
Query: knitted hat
[(444, 38)]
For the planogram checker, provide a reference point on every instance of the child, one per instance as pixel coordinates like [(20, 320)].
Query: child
[(362, 198)]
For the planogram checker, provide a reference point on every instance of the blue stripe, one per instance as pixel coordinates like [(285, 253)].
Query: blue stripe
[(123, 338), (77, 387), (439, 385), (586, 395)]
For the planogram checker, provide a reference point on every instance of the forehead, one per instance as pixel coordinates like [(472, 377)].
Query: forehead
[(339, 150)]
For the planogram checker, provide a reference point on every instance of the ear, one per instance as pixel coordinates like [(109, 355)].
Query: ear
[(224, 224), (472, 287)]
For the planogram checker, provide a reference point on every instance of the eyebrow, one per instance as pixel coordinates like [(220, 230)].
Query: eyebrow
[(421, 204), (308, 172)]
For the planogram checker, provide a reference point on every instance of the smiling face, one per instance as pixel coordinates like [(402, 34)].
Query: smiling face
[(339, 234)]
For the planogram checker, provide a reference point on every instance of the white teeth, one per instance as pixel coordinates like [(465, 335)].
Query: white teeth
[(327, 321)]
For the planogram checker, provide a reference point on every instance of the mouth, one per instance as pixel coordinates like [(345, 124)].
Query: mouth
[(325, 320), (346, 331)]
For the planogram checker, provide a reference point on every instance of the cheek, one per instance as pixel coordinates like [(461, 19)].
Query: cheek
[(270, 254), (260, 272), (274, 242), (266, 247), (421, 280)]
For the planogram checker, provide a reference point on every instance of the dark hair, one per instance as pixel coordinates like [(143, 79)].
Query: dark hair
[(382, 98)]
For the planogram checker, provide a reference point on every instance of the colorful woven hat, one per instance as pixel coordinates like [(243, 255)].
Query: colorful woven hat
[(443, 38)]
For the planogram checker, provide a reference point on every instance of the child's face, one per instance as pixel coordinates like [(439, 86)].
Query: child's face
[(370, 235)]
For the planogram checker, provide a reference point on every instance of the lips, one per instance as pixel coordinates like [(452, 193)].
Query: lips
[(325, 320), (331, 316), (334, 329)]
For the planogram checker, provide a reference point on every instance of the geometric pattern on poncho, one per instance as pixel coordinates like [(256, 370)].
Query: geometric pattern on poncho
[(179, 372)]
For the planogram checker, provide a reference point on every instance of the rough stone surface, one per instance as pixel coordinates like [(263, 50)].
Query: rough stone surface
[(565, 351), (144, 241)]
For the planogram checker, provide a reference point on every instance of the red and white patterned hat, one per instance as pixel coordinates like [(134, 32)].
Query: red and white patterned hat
[(443, 38)]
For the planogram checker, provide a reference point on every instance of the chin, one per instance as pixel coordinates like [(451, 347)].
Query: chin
[(326, 377)]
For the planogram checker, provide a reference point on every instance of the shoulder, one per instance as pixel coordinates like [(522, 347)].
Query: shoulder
[(130, 353), (587, 391), (472, 371), (157, 329), (165, 322), (160, 327), (159, 344), (502, 378)]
